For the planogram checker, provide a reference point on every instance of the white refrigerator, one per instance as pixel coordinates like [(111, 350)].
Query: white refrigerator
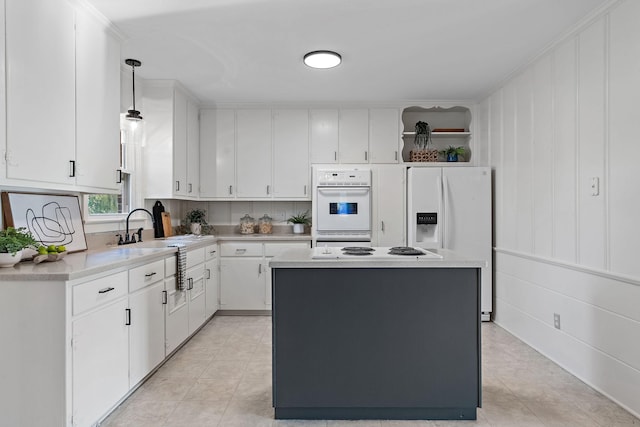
[(450, 208)]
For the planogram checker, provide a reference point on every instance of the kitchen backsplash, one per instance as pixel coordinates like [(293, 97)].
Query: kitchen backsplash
[(229, 213)]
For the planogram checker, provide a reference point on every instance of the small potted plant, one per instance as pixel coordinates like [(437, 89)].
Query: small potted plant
[(299, 221), (12, 242), (452, 153), (196, 220), (422, 142)]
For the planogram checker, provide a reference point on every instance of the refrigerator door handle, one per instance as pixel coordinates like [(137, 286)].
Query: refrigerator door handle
[(445, 212), (441, 213)]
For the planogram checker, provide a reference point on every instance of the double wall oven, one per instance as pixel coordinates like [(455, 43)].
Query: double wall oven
[(342, 207)]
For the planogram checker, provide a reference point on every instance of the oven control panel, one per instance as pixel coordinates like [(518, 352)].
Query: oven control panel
[(343, 178)]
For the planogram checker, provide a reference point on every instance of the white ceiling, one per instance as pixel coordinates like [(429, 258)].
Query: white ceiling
[(236, 51)]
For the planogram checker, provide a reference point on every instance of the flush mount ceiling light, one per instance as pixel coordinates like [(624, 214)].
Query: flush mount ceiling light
[(133, 114), (322, 59)]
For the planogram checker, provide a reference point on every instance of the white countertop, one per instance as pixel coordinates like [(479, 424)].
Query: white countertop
[(308, 258), (83, 264)]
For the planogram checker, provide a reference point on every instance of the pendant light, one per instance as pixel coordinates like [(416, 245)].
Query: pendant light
[(322, 59), (133, 115)]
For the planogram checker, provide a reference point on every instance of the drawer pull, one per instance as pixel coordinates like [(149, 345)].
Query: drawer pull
[(212, 252), (128, 313), (150, 274), (164, 297), (105, 290), (241, 251)]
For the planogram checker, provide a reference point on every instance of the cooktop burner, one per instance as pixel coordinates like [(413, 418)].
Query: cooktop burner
[(405, 250)]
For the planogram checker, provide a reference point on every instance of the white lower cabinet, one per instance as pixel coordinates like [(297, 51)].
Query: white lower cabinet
[(212, 290), (388, 219), (176, 315), (100, 362), (146, 331), (196, 296), (245, 276)]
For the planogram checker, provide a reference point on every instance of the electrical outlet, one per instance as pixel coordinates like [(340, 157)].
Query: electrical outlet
[(556, 320)]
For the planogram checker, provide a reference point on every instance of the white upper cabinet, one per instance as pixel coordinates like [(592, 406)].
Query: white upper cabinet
[(193, 149), (166, 110), (40, 55), (180, 143), (353, 130), (253, 147), (217, 153), (291, 153), (384, 135), (98, 104), (324, 135), (66, 79)]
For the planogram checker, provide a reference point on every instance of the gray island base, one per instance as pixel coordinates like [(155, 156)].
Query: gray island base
[(357, 342)]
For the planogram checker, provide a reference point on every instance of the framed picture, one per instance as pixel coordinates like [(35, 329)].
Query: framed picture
[(52, 219)]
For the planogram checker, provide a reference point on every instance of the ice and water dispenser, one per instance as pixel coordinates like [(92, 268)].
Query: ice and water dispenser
[(426, 229)]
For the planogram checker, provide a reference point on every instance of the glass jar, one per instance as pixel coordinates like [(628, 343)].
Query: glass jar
[(247, 225), (264, 225)]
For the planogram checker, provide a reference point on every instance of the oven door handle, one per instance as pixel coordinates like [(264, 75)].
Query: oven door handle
[(342, 190)]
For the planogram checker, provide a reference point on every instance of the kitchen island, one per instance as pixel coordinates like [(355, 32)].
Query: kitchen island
[(375, 337)]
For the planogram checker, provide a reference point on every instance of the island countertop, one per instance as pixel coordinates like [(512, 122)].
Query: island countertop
[(313, 258)]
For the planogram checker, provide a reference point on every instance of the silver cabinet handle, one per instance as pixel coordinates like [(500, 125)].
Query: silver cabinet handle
[(153, 273), (105, 290), (382, 226), (119, 179), (230, 190), (128, 314), (268, 188), (177, 185), (208, 273), (72, 168), (396, 155), (259, 268), (240, 251), (365, 156), (212, 252), (305, 190), (190, 187), (164, 297), (335, 155)]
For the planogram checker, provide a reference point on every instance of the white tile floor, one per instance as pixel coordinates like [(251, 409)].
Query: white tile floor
[(222, 377)]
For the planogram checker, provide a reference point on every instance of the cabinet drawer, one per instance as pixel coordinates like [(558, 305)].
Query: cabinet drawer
[(89, 295), (170, 266), (241, 249), (210, 252), (276, 248), (195, 257), (145, 275)]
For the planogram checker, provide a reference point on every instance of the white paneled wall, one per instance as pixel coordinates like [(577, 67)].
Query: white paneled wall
[(562, 139)]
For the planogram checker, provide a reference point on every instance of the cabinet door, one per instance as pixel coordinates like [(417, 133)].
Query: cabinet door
[(40, 73), (98, 104), (196, 297), (324, 136), (253, 145), (193, 150), (242, 284), (180, 144), (354, 136), (389, 205), (176, 316), (291, 154), (100, 345), (217, 153), (146, 332), (384, 135), (211, 287)]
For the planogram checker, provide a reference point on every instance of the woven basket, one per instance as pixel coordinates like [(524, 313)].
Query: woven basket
[(423, 156)]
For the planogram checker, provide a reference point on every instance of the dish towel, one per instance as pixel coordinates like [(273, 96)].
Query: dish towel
[(181, 274)]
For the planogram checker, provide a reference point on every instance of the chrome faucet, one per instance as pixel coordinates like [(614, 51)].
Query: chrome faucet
[(132, 239)]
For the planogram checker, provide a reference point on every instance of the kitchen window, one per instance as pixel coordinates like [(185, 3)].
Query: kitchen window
[(113, 207)]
